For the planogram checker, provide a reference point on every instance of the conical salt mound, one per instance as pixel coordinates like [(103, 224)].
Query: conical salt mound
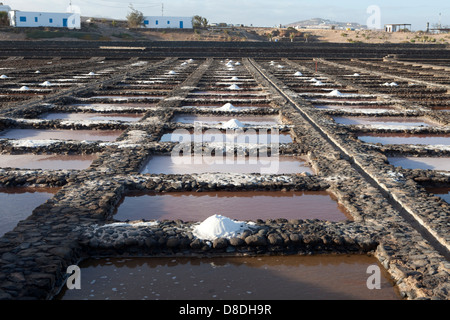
[(335, 93), (233, 124), (46, 83), (218, 226), (234, 87), (234, 78), (24, 88), (172, 72), (3, 76), (298, 73), (228, 107)]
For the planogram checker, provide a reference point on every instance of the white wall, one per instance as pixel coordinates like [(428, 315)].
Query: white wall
[(168, 22), (45, 19)]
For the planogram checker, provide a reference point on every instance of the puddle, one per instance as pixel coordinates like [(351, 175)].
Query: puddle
[(249, 136), (126, 117), (196, 164), (324, 277), (443, 193), (18, 203), (46, 162), (250, 120), (242, 205), (356, 108), (384, 121), (425, 163), (389, 138), (57, 134), (250, 106)]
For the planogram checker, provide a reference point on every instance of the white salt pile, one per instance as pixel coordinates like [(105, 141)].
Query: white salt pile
[(318, 83), (218, 226), (3, 76), (234, 87), (392, 84), (91, 73), (37, 71), (46, 83), (313, 80), (172, 72), (280, 66), (228, 107), (298, 73), (24, 88), (356, 75), (234, 78), (233, 124), (335, 93), (237, 63)]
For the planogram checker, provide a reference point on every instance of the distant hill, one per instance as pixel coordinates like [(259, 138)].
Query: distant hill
[(319, 23)]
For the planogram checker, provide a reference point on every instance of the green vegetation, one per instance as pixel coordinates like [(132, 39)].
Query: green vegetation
[(4, 19), (135, 18), (199, 22)]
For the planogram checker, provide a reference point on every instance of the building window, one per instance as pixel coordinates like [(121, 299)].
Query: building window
[(23, 19), (146, 22), (50, 20), (35, 19)]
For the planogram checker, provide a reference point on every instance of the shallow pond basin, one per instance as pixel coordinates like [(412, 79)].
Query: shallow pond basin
[(18, 203), (162, 164), (127, 117), (61, 134), (425, 163), (394, 138), (47, 161), (242, 205), (324, 277)]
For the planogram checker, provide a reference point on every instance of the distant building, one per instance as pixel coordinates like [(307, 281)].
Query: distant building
[(168, 22), (397, 27), (44, 19)]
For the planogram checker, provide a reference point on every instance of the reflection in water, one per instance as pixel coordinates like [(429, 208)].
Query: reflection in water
[(384, 121), (443, 193), (405, 139), (47, 162), (189, 165), (425, 163), (252, 120), (242, 278), (18, 203), (59, 134), (128, 117), (242, 205)]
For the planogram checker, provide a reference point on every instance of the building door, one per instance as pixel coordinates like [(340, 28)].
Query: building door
[(181, 24), (64, 22)]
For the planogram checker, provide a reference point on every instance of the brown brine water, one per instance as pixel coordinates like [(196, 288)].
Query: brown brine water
[(292, 277), (240, 205), (18, 203)]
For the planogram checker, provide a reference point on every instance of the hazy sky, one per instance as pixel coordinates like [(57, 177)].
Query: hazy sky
[(257, 12)]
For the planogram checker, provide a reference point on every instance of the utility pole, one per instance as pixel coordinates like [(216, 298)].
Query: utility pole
[(162, 9)]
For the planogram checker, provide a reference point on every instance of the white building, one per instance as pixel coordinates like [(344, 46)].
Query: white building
[(168, 22), (45, 19)]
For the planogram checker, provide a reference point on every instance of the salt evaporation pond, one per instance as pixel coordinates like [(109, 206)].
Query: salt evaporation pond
[(425, 163), (60, 134), (126, 117), (245, 205), (384, 121), (443, 193), (292, 277), (248, 120), (162, 164), (247, 137), (394, 138), (18, 203), (46, 161)]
